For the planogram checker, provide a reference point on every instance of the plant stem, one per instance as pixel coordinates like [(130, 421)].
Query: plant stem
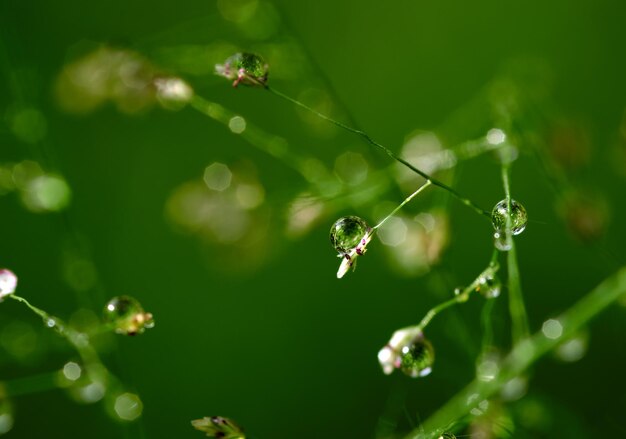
[(523, 355), (371, 141), (517, 309), (91, 361), (409, 198), (461, 297)]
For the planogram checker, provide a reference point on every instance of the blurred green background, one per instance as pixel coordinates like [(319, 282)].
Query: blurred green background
[(251, 322)]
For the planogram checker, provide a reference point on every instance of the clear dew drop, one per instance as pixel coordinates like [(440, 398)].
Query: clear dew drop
[(501, 241), (347, 233), (127, 316), (489, 285), (519, 217), (447, 436), (417, 358)]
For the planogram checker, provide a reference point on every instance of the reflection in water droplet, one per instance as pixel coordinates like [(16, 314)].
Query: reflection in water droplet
[(127, 315), (347, 233), (519, 217)]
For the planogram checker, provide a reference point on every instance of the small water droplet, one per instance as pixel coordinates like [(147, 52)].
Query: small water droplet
[(127, 316), (501, 241), (417, 357), (489, 285)]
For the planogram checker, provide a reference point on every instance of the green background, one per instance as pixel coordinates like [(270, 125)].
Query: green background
[(282, 346)]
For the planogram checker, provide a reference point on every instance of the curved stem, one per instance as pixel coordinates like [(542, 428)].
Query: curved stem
[(390, 153)]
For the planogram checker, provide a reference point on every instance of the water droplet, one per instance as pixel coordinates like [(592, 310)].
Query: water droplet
[(127, 316), (347, 233), (447, 436), (519, 217), (128, 406), (501, 241), (218, 427), (489, 285), (8, 282), (51, 322), (244, 68), (417, 357)]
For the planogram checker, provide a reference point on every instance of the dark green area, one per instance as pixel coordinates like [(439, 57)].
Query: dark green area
[(266, 335)]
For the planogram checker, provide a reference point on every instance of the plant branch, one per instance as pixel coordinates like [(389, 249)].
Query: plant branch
[(523, 355), (390, 153)]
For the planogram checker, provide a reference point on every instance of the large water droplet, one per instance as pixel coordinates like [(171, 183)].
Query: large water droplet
[(127, 316), (519, 217), (347, 233), (417, 358)]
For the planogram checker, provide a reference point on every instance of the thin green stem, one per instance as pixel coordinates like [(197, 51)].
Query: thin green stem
[(390, 153), (517, 309), (80, 341), (409, 198), (460, 297), (525, 353)]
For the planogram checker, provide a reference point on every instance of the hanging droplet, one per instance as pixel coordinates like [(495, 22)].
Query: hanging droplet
[(489, 285), (519, 217), (8, 282), (447, 436), (347, 233), (417, 358), (219, 427), (501, 241), (244, 68), (127, 316)]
